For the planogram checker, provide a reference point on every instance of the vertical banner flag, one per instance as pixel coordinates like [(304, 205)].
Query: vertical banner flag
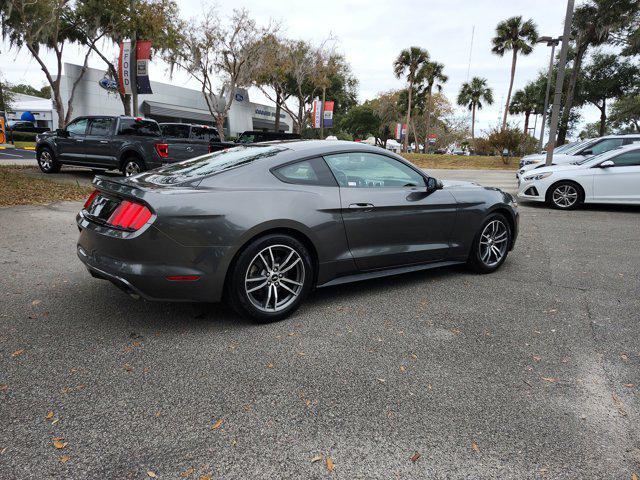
[(143, 56), (328, 115), (316, 114), (398, 134), (403, 131), (124, 67)]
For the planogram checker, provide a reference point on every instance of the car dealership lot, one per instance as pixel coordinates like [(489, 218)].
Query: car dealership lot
[(529, 372)]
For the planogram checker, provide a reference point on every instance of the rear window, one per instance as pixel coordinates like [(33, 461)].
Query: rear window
[(212, 164), (174, 130), (205, 133), (139, 127)]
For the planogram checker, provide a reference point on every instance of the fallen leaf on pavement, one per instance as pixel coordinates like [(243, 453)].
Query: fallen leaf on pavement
[(216, 425), (64, 458), (330, 464), (35, 302), (456, 331), (269, 365), (549, 379), (403, 368), (415, 457), (634, 476), (629, 385), (187, 472), (17, 352), (204, 477), (49, 415), (151, 474), (317, 458), (58, 443), (536, 358), (624, 357), (128, 368), (381, 380), (475, 447)]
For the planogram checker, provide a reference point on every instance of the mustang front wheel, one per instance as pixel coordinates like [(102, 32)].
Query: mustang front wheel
[(491, 244)]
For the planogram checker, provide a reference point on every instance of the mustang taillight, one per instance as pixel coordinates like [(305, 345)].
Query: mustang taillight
[(129, 215), (89, 201), (162, 149)]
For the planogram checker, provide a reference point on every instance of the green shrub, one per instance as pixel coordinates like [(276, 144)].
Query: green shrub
[(22, 136)]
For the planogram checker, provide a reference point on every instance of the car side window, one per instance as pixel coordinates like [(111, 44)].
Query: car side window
[(313, 171), (139, 127), (370, 170), (79, 127), (605, 145), (205, 133), (628, 159), (100, 127)]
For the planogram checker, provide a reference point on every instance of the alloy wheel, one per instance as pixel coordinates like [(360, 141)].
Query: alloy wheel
[(131, 168), (275, 278), (494, 243), (565, 196), (45, 160)]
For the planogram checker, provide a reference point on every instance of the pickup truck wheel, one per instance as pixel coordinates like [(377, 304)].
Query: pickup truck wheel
[(132, 166), (47, 161)]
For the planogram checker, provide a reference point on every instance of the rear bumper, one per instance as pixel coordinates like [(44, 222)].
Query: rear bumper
[(141, 263)]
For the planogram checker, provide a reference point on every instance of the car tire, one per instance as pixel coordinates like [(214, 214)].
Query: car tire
[(47, 161), (565, 195), (132, 166), (491, 244), (270, 288)]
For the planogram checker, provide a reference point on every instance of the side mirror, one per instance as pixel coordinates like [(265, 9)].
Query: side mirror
[(586, 152), (433, 184), (61, 132), (606, 164)]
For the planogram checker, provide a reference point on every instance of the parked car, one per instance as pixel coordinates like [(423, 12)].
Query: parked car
[(24, 126), (253, 137), (581, 151), (187, 140), (610, 177), (537, 157), (263, 224), (129, 144)]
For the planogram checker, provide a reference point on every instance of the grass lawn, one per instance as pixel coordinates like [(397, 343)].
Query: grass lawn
[(19, 189), (461, 162), (25, 144)]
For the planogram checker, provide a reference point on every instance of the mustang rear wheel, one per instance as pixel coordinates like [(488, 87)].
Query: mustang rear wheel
[(491, 244), (271, 278)]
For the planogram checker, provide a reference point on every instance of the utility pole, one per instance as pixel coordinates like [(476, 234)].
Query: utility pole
[(557, 97), (553, 43), (134, 63)]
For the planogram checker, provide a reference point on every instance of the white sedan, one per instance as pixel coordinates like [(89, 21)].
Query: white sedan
[(611, 177)]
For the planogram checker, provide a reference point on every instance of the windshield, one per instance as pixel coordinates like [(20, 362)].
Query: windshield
[(564, 148), (211, 164)]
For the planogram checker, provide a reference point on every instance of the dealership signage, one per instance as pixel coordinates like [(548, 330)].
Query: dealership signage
[(127, 76), (143, 56), (268, 113), (124, 68), (327, 114), (322, 117), (108, 84), (316, 113), (401, 130)]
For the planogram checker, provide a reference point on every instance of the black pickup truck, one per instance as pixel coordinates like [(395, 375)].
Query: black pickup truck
[(129, 144), (187, 140)]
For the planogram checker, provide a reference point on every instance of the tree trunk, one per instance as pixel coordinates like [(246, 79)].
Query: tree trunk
[(405, 146), (220, 127), (513, 75), (569, 94), (473, 121), (428, 122), (300, 114), (526, 122), (603, 116), (278, 108)]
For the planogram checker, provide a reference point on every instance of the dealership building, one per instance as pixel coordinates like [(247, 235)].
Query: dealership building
[(168, 103)]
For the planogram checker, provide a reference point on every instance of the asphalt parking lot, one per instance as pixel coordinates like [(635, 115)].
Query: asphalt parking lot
[(531, 372)]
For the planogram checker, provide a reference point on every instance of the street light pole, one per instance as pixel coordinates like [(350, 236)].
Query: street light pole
[(557, 97), (553, 43)]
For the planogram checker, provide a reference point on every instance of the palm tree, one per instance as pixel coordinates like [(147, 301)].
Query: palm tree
[(432, 73), (410, 60), (527, 102), (518, 36), (472, 94)]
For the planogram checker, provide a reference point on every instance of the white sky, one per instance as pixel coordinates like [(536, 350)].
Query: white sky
[(370, 34)]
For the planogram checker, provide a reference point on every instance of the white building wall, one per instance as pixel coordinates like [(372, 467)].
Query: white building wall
[(91, 99)]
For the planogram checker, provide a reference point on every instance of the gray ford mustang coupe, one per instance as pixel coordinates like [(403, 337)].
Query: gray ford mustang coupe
[(262, 225)]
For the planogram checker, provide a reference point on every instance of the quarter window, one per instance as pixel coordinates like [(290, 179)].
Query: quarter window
[(79, 127), (139, 127), (306, 172), (370, 170), (205, 133)]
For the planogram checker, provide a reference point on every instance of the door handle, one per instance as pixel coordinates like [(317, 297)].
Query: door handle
[(104, 141), (365, 207), (189, 149), (79, 140)]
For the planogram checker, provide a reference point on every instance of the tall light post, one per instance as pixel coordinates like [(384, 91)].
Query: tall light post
[(553, 43), (557, 96)]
